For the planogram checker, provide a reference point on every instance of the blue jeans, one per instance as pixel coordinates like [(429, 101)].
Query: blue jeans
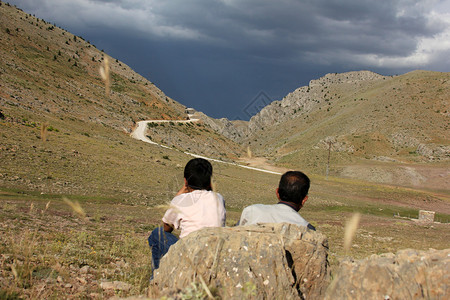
[(160, 242)]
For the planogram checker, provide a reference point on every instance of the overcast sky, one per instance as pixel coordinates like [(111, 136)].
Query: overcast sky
[(219, 55)]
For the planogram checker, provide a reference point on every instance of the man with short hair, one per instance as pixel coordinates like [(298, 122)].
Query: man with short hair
[(292, 193)]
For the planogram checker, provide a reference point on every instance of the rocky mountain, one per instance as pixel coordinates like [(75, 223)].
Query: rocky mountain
[(233, 130), (306, 99), (358, 116)]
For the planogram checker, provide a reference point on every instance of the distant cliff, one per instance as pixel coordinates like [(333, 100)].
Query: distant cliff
[(305, 99)]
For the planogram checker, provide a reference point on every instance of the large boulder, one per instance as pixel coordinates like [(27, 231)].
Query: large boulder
[(267, 261), (408, 274)]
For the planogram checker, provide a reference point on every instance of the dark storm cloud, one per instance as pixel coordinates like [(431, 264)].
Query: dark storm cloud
[(268, 28), (218, 55)]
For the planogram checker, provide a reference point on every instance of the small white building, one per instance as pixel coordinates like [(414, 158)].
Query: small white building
[(190, 111)]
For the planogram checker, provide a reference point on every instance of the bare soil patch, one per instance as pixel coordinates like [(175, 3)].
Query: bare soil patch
[(416, 176), (262, 163)]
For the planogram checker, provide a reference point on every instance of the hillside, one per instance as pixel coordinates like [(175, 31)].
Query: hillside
[(363, 118), (62, 132), (49, 71)]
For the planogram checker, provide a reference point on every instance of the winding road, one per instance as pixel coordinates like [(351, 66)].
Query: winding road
[(139, 134)]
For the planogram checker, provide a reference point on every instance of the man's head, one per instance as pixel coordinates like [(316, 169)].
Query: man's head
[(198, 172), (293, 187)]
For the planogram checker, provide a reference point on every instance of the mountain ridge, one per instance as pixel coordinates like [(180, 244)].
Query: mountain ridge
[(394, 108)]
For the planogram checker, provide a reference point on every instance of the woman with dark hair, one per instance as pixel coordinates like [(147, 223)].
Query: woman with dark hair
[(195, 206)]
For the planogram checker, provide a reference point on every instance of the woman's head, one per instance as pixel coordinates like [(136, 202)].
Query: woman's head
[(198, 172)]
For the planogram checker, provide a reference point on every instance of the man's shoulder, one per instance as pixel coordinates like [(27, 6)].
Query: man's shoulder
[(259, 207), (253, 206)]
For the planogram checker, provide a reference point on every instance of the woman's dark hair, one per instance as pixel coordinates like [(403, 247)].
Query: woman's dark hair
[(293, 187), (198, 172)]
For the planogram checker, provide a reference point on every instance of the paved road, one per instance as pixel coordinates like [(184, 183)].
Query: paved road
[(139, 134)]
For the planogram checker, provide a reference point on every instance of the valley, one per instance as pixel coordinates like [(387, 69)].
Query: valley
[(85, 175)]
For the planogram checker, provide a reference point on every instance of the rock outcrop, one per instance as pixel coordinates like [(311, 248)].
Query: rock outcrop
[(268, 261), (234, 130), (408, 274), (306, 98)]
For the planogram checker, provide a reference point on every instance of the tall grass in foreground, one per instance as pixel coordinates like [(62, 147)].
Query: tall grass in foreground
[(44, 249), (350, 231)]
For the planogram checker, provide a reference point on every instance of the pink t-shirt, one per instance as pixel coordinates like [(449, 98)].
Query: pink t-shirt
[(195, 210)]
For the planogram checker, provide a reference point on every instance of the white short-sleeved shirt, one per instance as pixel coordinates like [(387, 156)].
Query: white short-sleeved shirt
[(195, 210), (275, 213)]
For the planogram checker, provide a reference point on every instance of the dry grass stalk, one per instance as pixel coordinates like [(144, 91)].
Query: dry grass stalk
[(44, 132), (205, 287), (46, 207), (249, 152), (14, 271), (76, 207), (104, 73), (163, 206), (350, 230)]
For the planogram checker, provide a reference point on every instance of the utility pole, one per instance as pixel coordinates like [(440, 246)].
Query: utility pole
[(328, 162)]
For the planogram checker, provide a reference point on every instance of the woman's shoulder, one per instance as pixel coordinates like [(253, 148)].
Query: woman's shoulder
[(209, 194), (215, 194)]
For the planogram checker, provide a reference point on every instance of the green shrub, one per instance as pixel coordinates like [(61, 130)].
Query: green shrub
[(51, 128)]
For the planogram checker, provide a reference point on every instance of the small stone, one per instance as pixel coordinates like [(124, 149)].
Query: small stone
[(82, 280), (68, 286), (107, 285), (81, 289), (116, 285), (59, 279), (84, 270), (122, 286), (50, 280)]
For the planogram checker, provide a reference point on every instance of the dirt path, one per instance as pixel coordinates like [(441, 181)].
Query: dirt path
[(261, 162), (139, 134)]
